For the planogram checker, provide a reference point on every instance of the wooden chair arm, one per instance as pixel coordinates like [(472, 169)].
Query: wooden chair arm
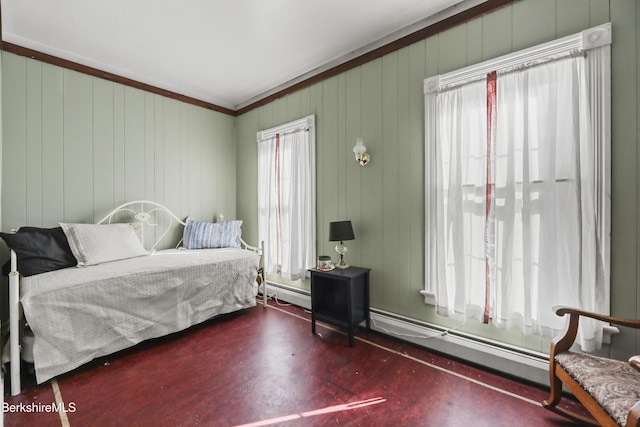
[(565, 340), (561, 311), (558, 376)]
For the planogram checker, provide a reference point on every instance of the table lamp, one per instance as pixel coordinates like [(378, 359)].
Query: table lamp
[(340, 231)]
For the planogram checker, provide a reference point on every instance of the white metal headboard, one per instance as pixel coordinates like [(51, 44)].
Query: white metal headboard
[(143, 214)]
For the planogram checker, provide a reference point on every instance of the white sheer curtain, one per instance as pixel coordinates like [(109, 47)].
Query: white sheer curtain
[(545, 222), (516, 216), (286, 202), (461, 148)]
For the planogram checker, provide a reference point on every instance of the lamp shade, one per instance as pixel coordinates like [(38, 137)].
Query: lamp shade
[(340, 231)]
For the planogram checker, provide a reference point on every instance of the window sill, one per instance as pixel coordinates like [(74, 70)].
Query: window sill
[(607, 332)]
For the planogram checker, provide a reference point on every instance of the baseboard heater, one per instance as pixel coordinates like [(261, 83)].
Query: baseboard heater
[(289, 294), (528, 365)]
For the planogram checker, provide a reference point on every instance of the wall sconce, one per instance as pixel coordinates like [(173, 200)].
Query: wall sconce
[(361, 152)]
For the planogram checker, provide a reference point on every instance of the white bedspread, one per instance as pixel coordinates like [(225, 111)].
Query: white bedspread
[(78, 314)]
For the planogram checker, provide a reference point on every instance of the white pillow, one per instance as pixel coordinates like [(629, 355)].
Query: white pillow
[(97, 243)]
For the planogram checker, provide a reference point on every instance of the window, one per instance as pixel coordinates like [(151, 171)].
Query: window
[(287, 197), (517, 187)]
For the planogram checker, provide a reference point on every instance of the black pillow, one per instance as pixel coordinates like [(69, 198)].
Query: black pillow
[(40, 249)]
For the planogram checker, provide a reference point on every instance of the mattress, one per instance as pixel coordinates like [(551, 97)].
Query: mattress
[(78, 314)]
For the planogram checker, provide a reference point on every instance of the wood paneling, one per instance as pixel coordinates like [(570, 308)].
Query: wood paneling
[(382, 101), (370, 242), (103, 152), (52, 146), (625, 158), (14, 155), (354, 174), (497, 29), (435, 28), (413, 227), (34, 143), (74, 66), (75, 146)]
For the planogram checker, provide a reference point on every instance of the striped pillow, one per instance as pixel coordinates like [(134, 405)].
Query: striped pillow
[(202, 235)]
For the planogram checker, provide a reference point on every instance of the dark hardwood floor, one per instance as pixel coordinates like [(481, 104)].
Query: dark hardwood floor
[(263, 367)]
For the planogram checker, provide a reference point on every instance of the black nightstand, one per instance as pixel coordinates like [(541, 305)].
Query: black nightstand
[(341, 298)]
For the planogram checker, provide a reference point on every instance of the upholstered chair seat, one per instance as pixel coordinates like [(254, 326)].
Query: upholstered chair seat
[(609, 389), (613, 384)]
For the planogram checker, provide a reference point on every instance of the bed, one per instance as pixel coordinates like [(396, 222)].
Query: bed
[(119, 289)]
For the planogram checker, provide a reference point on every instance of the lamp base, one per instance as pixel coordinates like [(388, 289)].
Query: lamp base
[(341, 265)]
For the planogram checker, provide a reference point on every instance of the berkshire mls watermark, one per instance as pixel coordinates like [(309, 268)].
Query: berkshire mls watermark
[(36, 407)]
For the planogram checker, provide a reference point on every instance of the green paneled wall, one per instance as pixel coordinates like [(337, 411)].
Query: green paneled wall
[(76, 146), (382, 102)]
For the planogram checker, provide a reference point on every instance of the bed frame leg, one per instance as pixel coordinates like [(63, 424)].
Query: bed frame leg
[(14, 324)]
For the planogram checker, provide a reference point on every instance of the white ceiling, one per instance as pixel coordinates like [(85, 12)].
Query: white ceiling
[(229, 53)]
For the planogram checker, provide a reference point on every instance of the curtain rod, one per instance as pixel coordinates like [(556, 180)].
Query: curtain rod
[(515, 69), (591, 38), (290, 132), (303, 124)]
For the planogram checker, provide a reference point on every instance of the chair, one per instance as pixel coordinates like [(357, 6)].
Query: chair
[(608, 389)]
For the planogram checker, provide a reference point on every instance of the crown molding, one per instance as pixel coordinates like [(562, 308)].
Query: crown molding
[(443, 21), (70, 65)]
